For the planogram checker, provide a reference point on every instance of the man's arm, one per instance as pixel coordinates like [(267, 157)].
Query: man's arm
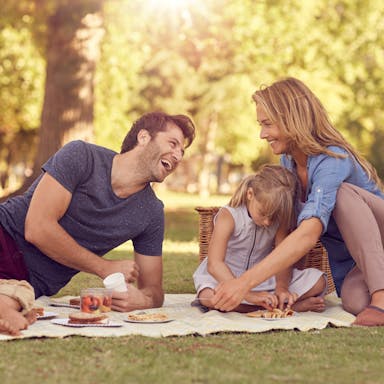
[(48, 205), (149, 291)]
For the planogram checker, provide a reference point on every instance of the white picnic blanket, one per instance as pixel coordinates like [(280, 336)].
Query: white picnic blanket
[(187, 320)]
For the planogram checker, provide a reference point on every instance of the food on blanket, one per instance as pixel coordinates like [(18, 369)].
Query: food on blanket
[(74, 301), (276, 313), (87, 318), (96, 300), (148, 317), (39, 311)]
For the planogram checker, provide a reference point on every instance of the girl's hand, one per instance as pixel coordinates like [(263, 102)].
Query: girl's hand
[(264, 299), (285, 298)]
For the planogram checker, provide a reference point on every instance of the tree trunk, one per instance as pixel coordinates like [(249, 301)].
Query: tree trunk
[(74, 33), (208, 157)]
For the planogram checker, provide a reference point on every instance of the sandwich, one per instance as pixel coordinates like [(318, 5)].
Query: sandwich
[(276, 313), (87, 318), (75, 301), (148, 317), (38, 311)]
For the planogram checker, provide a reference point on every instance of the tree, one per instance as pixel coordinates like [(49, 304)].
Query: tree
[(21, 93), (73, 34), (204, 58)]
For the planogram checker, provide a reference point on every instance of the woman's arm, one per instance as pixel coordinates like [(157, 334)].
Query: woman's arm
[(283, 278), (222, 231), (230, 293)]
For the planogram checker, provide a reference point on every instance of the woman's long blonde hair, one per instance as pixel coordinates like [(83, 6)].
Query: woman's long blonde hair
[(276, 189), (303, 119)]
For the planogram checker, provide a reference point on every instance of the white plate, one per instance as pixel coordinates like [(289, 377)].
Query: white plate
[(273, 318), (47, 315), (148, 321), (63, 304), (65, 322), (276, 318)]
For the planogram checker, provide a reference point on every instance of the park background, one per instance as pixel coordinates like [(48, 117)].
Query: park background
[(86, 69)]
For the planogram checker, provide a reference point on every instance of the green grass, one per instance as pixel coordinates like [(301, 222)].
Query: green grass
[(346, 355)]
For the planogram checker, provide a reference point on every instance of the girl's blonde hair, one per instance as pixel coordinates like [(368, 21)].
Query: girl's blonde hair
[(303, 119), (276, 189)]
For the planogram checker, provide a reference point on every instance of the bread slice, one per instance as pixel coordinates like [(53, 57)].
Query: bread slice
[(276, 313), (74, 301), (87, 318), (148, 317), (39, 311)]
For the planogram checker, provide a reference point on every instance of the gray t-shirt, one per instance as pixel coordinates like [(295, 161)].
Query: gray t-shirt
[(96, 218)]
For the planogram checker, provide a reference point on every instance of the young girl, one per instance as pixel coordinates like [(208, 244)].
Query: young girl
[(258, 217)]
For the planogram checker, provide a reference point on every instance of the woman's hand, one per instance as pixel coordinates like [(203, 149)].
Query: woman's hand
[(229, 294)]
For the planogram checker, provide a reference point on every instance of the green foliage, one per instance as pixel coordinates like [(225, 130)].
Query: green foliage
[(209, 57), (206, 58), (21, 93), (21, 80)]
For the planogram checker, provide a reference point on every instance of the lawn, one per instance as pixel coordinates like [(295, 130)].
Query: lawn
[(346, 355)]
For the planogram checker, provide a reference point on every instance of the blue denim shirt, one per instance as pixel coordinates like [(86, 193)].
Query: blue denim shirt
[(325, 175)]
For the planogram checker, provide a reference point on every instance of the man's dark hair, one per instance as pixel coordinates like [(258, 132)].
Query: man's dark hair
[(155, 122)]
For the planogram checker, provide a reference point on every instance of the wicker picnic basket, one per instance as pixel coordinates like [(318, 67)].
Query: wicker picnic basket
[(317, 257)]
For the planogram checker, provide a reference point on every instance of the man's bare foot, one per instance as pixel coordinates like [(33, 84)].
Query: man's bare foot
[(12, 319), (31, 316), (315, 304), (5, 327)]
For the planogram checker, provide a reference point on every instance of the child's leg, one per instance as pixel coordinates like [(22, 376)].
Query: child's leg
[(205, 296), (16, 301), (313, 299), (310, 285)]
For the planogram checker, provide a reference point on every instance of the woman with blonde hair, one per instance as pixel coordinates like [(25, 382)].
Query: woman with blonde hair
[(342, 202), (260, 214)]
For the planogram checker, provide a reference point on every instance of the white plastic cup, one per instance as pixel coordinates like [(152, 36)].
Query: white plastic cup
[(116, 281)]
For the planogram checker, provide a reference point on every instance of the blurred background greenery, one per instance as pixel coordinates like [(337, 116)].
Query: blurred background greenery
[(86, 69)]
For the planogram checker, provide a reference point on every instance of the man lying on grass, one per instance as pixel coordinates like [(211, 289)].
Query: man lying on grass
[(87, 201)]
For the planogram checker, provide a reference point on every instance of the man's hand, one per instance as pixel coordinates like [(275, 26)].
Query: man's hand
[(132, 299), (128, 268), (229, 294), (149, 291)]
